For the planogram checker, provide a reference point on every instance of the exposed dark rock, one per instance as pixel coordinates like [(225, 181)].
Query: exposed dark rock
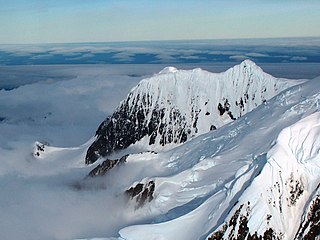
[(118, 131), (213, 127), (241, 104), (246, 97), (39, 148), (243, 227), (231, 116), (129, 124), (222, 109), (142, 193), (235, 216), (296, 189), (225, 107), (238, 228), (310, 229), (218, 235), (106, 166)]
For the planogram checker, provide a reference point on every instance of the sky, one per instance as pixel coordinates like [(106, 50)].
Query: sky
[(60, 21)]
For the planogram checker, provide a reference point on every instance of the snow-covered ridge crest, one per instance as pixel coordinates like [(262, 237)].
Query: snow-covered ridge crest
[(168, 70), (175, 105)]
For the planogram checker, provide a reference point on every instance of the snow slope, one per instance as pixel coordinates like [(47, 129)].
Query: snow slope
[(216, 174), (275, 200), (176, 105)]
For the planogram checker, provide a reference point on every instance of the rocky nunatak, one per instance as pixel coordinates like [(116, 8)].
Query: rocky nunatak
[(106, 166), (142, 193)]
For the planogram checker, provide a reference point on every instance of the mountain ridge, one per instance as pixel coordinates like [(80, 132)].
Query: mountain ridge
[(274, 199), (175, 105), (220, 168)]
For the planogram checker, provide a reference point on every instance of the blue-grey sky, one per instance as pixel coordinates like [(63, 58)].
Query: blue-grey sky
[(49, 21)]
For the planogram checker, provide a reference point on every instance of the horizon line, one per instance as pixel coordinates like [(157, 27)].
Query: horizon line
[(168, 40)]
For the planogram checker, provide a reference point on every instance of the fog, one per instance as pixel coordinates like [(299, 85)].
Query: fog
[(51, 198), (41, 208)]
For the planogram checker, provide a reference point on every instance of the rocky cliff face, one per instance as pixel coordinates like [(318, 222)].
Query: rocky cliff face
[(310, 226), (176, 105), (141, 193), (106, 166)]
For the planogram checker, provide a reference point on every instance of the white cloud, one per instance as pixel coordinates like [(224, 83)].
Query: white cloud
[(253, 54), (225, 52), (238, 57), (82, 57), (42, 56), (124, 56), (192, 57), (298, 58)]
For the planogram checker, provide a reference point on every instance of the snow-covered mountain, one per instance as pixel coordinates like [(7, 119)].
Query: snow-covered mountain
[(255, 178), (175, 105)]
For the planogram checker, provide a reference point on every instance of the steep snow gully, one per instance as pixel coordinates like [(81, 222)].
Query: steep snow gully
[(199, 155)]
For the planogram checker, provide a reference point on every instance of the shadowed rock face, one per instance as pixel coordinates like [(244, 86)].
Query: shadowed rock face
[(142, 193), (130, 124), (106, 166), (310, 228), (237, 228), (38, 149)]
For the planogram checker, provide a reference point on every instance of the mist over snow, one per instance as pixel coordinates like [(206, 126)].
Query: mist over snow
[(196, 184), (59, 105), (61, 100)]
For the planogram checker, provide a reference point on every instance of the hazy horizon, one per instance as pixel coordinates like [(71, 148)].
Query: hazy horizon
[(268, 50), (240, 40)]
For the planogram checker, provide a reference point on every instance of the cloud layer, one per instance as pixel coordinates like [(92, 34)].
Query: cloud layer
[(260, 51)]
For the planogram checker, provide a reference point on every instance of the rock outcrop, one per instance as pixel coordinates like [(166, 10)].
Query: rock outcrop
[(141, 193), (106, 166)]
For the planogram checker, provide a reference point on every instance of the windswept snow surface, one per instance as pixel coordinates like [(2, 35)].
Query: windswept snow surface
[(277, 198), (197, 184), (210, 175)]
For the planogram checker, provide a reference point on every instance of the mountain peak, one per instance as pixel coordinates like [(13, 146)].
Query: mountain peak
[(248, 62), (167, 70), (250, 65), (169, 109)]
